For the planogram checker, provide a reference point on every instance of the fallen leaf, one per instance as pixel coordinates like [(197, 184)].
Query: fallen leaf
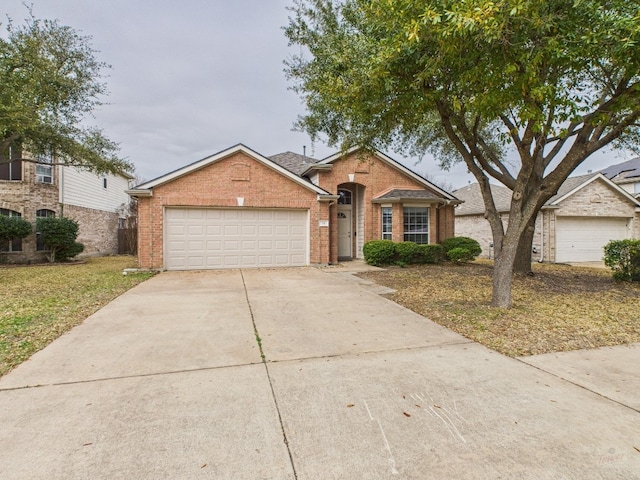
[(637, 449), (406, 414), (437, 406), (419, 406), (350, 405), (203, 465), (87, 444)]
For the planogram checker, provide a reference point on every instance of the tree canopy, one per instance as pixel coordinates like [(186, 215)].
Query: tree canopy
[(50, 82), (474, 80)]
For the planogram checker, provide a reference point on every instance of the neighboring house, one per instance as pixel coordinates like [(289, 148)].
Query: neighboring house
[(32, 190), (573, 226), (238, 208), (626, 174)]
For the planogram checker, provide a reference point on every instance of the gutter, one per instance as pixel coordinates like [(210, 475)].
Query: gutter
[(138, 193)]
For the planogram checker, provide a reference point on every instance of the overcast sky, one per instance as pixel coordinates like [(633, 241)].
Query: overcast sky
[(190, 78)]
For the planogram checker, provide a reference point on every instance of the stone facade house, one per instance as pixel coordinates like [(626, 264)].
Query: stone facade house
[(31, 190), (573, 226), (238, 208)]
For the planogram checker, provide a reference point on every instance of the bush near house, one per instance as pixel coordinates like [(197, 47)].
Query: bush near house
[(379, 252), (13, 227), (386, 252), (59, 237), (623, 258), (461, 249)]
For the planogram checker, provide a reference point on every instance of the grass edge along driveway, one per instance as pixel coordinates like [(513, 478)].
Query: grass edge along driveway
[(40, 303), (559, 308)]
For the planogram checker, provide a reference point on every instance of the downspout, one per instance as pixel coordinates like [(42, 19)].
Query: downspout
[(541, 239), (61, 175)]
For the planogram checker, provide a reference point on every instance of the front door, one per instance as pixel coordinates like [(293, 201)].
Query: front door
[(344, 233)]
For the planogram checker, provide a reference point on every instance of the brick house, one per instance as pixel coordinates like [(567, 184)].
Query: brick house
[(238, 208), (31, 190), (573, 226)]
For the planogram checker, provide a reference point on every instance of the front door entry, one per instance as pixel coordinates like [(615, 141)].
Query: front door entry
[(345, 243)]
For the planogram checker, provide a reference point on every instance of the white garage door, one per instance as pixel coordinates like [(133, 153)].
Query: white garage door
[(581, 239), (207, 238)]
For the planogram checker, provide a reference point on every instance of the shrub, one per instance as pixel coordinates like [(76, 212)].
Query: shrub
[(379, 252), (460, 255), (466, 243), (623, 258), (59, 237), (13, 227), (407, 252), (430, 253)]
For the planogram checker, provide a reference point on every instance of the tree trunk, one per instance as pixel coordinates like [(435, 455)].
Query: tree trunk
[(522, 263), (503, 274)]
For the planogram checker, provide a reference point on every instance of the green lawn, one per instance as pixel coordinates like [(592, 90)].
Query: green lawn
[(39, 303)]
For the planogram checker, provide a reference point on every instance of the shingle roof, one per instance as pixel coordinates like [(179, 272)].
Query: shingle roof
[(294, 162), (623, 171), (417, 194), (473, 203)]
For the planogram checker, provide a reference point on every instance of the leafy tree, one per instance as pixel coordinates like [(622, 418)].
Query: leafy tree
[(544, 82), (59, 237), (50, 81)]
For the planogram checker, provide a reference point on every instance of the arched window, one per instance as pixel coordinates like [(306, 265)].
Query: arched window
[(42, 213), (345, 197), (14, 245)]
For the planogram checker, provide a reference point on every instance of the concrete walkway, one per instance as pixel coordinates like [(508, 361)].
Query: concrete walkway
[(168, 381)]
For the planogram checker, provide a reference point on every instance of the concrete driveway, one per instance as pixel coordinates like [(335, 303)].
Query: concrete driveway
[(168, 381)]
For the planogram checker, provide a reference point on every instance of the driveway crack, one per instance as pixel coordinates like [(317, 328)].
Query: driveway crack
[(266, 367)]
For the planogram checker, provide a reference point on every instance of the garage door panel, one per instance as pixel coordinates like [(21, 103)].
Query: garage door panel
[(582, 239), (228, 238)]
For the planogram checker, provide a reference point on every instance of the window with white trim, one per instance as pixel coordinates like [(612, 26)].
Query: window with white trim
[(387, 223), (44, 170), (416, 224), (344, 197)]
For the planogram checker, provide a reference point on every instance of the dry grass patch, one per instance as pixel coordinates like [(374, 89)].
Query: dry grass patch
[(560, 308), (40, 303)]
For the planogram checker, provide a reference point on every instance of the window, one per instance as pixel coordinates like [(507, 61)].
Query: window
[(44, 170), (104, 182), (14, 245), (416, 224), (345, 197), (43, 213), (387, 223), (11, 164)]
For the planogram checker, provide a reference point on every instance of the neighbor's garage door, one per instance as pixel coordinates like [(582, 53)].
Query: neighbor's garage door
[(234, 238), (581, 239)]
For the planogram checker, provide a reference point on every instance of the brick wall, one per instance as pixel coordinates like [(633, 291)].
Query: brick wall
[(374, 177), (98, 230), (220, 185), (26, 197)]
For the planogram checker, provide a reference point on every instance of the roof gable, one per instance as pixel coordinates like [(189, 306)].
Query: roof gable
[(574, 184), (390, 161), (225, 154)]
